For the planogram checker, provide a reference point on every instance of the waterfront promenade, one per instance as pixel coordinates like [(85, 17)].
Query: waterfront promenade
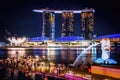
[(38, 69)]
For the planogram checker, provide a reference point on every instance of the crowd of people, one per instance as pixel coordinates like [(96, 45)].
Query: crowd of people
[(35, 64)]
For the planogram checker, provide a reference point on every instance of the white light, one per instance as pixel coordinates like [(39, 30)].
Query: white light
[(76, 11), (40, 11), (36, 56), (12, 52), (58, 11), (17, 40), (88, 10), (105, 47)]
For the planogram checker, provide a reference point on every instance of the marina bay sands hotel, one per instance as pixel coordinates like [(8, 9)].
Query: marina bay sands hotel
[(87, 22), (67, 33)]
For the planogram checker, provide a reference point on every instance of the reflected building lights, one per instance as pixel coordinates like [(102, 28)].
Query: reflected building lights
[(63, 55), (51, 54), (16, 52)]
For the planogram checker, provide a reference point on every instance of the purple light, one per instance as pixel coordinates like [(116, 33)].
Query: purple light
[(72, 77)]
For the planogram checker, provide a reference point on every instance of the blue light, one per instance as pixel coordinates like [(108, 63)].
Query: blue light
[(69, 38), (2, 43), (109, 36), (107, 61), (38, 39)]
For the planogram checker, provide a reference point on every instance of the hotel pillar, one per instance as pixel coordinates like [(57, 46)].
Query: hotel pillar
[(67, 24), (48, 28), (87, 24)]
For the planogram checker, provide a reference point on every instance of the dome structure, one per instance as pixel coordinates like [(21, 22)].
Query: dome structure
[(109, 36), (69, 38), (38, 39)]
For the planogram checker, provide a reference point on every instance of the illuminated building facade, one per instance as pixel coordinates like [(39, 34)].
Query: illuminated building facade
[(67, 22), (48, 28), (67, 25), (87, 24), (17, 41)]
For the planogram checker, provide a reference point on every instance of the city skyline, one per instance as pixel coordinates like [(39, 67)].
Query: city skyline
[(18, 17)]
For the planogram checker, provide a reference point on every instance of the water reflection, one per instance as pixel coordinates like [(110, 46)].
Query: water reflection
[(51, 54), (58, 55), (16, 52)]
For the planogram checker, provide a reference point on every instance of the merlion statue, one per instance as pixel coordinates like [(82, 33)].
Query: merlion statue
[(105, 47)]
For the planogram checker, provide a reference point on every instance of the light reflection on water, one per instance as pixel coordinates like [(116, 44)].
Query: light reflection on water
[(58, 55), (16, 52), (51, 54)]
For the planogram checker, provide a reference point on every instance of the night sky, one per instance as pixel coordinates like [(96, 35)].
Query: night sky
[(16, 16)]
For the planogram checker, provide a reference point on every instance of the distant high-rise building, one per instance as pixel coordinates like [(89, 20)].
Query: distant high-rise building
[(67, 24), (48, 28), (87, 24)]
